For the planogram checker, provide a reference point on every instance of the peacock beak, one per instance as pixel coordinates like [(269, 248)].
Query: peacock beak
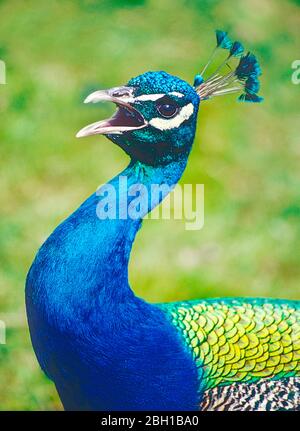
[(125, 119)]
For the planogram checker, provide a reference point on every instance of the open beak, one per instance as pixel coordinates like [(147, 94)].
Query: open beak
[(125, 119)]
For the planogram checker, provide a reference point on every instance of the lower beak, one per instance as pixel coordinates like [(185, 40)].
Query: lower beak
[(125, 119)]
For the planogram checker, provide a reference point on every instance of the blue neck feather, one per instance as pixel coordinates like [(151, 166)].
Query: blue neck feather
[(104, 347), (97, 251)]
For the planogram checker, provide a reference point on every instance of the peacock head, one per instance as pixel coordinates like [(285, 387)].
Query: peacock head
[(156, 114), (155, 120)]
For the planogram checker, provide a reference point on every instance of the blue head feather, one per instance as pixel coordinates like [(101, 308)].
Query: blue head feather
[(248, 71), (223, 41), (248, 97), (252, 85), (248, 66), (198, 80), (237, 49)]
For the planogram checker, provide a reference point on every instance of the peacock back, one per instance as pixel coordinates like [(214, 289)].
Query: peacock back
[(247, 351)]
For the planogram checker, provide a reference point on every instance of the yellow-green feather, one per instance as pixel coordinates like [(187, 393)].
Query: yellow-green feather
[(240, 340)]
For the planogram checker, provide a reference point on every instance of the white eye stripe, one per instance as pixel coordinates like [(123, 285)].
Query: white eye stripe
[(167, 124), (175, 93), (150, 97), (153, 97), (142, 98)]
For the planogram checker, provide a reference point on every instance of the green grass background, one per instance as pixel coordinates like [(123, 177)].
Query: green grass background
[(246, 155)]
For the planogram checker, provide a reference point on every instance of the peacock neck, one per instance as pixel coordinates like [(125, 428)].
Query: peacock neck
[(85, 260), (121, 205)]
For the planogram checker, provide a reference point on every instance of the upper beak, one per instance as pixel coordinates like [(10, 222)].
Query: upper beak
[(126, 118)]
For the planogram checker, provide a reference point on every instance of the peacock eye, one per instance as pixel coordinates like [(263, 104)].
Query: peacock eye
[(167, 110)]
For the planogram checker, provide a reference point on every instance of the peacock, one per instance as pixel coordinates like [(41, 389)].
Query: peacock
[(107, 349)]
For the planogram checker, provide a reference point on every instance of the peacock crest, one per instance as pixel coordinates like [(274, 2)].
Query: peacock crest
[(240, 78)]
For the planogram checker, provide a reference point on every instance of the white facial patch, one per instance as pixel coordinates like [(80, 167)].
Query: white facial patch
[(171, 123)]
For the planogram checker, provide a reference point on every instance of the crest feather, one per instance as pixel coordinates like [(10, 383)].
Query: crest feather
[(243, 78)]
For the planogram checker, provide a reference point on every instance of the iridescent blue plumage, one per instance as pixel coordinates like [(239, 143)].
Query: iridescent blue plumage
[(198, 80), (248, 67), (237, 49), (248, 70), (248, 97), (223, 41), (107, 349), (219, 84)]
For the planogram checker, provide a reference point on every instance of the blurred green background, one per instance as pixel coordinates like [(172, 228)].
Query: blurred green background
[(246, 155)]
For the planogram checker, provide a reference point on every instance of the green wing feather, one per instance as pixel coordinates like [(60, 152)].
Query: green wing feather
[(240, 340)]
